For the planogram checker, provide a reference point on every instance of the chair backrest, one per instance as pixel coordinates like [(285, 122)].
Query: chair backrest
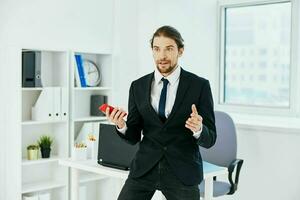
[(225, 149)]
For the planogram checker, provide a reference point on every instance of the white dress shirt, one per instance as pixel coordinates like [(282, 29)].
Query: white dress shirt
[(172, 87)]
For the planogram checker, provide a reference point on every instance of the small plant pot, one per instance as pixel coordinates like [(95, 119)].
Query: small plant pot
[(32, 154), (80, 153), (45, 152)]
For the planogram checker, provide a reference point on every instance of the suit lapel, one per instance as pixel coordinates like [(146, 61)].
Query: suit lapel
[(183, 86), (148, 98)]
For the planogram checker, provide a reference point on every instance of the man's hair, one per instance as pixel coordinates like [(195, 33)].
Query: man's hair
[(170, 32)]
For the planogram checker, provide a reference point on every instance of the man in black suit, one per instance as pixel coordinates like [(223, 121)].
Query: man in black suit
[(170, 113)]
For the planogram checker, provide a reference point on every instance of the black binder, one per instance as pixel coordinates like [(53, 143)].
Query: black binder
[(31, 69)]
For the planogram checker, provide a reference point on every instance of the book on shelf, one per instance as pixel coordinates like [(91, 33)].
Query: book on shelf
[(79, 72)]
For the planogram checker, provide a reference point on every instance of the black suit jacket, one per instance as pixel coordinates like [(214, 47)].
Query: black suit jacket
[(170, 138)]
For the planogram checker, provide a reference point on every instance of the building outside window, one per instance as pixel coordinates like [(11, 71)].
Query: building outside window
[(256, 54)]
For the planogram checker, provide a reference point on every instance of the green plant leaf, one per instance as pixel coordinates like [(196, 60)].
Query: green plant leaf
[(45, 142)]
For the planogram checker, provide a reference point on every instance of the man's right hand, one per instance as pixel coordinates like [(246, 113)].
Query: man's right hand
[(116, 117)]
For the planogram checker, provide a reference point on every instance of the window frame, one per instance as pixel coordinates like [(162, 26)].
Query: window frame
[(293, 110)]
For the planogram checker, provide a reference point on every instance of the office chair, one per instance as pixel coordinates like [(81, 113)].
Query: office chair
[(223, 153)]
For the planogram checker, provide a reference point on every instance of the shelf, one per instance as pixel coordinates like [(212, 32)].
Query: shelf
[(42, 185), (26, 162), (94, 51), (32, 89), (91, 88), (89, 119), (30, 122), (84, 178)]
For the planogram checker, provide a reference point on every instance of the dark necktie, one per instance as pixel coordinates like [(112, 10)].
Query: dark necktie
[(162, 100)]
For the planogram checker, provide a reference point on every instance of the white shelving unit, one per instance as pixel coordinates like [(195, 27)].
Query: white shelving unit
[(81, 119), (81, 96), (53, 158), (44, 174)]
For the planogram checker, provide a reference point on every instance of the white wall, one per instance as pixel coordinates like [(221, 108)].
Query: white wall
[(125, 49), (271, 165), (2, 135), (57, 24)]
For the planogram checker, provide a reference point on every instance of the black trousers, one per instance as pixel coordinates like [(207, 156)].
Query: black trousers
[(160, 178)]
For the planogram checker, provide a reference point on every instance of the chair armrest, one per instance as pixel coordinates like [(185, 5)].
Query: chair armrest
[(236, 164)]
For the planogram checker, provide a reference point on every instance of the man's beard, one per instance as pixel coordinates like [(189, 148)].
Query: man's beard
[(166, 70)]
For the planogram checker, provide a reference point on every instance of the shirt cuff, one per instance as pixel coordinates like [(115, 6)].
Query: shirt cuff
[(122, 130), (198, 133)]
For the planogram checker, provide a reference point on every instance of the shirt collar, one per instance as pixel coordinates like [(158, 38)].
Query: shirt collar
[(172, 78)]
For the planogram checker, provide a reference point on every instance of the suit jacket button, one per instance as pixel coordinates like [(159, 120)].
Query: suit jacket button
[(165, 148)]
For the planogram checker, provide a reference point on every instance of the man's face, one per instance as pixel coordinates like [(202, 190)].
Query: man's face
[(165, 54)]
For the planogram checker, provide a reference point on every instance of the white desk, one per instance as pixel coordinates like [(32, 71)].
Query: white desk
[(209, 170)]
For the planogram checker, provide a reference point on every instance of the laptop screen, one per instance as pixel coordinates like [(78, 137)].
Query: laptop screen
[(113, 151)]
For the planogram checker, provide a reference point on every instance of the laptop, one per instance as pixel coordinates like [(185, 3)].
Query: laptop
[(113, 151)]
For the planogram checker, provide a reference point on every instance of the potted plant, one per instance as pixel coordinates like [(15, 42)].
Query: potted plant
[(32, 152), (45, 143)]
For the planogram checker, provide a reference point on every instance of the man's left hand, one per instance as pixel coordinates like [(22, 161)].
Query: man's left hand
[(194, 122)]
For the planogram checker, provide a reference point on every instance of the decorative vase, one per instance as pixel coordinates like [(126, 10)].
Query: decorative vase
[(32, 154), (45, 152)]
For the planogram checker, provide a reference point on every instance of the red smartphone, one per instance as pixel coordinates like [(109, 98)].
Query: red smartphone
[(104, 106)]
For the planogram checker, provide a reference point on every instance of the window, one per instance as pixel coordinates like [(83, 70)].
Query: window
[(255, 50)]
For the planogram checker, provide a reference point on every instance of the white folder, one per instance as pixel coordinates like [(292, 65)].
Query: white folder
[(64, 104), (57, 103), (43, 108)]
